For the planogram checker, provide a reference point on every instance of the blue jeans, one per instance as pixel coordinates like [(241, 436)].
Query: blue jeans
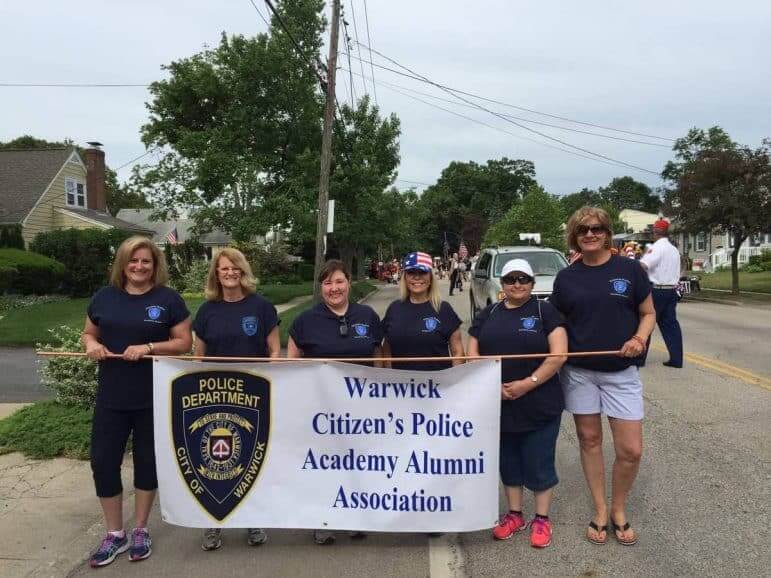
[(665, 302), (527, 458)]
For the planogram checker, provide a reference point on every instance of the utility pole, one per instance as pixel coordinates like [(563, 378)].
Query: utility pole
[(326, 151)]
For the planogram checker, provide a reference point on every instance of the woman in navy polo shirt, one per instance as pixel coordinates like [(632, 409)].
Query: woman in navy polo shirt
[(335, 328), (531, 393), (135, 316), (607, 304), (419, 323), (234, 322)]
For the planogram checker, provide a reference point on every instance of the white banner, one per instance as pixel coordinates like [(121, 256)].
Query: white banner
[(327, 445)]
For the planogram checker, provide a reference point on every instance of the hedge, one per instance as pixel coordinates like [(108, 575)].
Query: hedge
[(10, 237), (26, 272), (86, 253)]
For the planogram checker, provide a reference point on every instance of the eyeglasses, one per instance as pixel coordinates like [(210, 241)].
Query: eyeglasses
[(343, 326), (233, 270), (521, 279), (582, 230)]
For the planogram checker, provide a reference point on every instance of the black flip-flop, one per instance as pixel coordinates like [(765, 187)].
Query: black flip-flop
[(624, 528), (598, 529)]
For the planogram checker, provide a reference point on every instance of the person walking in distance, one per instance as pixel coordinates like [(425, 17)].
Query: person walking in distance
[(454, 272), (662, 261)]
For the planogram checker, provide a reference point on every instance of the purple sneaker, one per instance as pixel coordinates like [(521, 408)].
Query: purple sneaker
[(110, 547), (140, 544)]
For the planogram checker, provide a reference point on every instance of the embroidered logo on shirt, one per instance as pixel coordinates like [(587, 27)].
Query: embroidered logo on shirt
[(154, 313), (528, 324), (430, 324), (249, 325), (620, 287), (360, 329)]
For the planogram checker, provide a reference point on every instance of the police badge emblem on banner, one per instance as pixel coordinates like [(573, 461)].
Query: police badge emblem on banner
[(220, 423)]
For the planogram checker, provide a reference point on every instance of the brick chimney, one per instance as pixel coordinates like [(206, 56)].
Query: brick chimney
[(97, 199)]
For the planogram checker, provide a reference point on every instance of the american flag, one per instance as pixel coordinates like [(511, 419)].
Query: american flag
[(462, 251), (418, 260), (171, 236)]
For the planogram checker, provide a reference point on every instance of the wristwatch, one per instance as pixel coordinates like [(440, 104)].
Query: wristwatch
[(534, 378)]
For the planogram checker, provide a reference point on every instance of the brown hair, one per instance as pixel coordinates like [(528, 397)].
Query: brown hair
[(584, 214), (213, 289), (332, 266), (123, 256)]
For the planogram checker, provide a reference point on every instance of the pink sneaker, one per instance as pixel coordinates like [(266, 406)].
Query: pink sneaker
[(540, 533), (509, 525)]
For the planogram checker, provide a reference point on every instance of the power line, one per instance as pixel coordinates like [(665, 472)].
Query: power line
[(347, 40), (369, 43), (132, 161), (515, 123), (560, 127), (533, 111), (72, 85), (264, 19), (356, 33)]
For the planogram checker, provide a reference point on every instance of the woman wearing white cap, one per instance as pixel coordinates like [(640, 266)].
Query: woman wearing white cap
[(531, 394)]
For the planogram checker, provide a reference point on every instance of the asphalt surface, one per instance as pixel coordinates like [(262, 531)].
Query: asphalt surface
[(700, 504)]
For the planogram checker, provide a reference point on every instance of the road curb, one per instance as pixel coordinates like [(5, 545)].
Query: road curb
[(713, 300)]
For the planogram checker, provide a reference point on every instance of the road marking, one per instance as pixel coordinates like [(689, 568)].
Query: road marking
[(445, 557), (723, 368)]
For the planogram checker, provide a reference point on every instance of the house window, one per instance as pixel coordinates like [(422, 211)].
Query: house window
[(75, 193), (701, 241)]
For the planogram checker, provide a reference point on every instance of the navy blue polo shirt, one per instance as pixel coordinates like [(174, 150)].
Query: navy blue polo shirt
[(124, 319), (236, 328), (418, 330), (521, 330), (601, 308), (317, 332)]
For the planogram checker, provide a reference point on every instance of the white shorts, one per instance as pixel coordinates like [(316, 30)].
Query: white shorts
[(616, 394)]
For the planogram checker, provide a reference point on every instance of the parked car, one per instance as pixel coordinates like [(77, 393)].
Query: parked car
[(486, 279)]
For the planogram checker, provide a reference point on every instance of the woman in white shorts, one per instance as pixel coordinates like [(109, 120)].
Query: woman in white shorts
[(607, 305)]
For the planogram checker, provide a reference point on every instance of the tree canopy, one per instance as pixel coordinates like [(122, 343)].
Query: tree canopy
[(539, 212)]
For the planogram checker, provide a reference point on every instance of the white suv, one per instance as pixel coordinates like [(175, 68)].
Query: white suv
[(486, 277)]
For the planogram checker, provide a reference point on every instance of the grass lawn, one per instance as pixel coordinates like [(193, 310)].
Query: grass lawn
[(30, 325), (758, 282), (47, 429)]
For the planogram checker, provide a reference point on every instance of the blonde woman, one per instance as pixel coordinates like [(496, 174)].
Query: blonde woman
[(607, 305), (136, 315), (419, 323), (234, 322)]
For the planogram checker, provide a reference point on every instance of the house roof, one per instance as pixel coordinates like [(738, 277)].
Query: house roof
[(108, 220), (184, 227), (24, 177)]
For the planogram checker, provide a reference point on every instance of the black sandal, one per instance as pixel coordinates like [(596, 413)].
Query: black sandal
[(624, 528), (598, 529)]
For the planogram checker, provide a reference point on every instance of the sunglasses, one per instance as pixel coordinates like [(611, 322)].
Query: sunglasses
[(416, 272), (582, 230), (521, 279), (343, 326)]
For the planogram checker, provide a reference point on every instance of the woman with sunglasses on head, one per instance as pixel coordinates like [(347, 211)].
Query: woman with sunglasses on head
[(531, 396), (419, 323), (606, 301), (234, 322), (335, 328)]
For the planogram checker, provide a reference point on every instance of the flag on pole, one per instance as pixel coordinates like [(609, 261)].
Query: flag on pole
[(462, 251), (171, 236)]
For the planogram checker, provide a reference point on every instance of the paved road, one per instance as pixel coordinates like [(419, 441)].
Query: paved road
[(700, 503)]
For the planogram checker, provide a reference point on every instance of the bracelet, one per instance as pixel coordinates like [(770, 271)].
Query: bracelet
[(150, 347), (640, 340)]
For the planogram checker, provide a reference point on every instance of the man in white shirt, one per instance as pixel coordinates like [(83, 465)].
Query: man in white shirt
[(662, 261)]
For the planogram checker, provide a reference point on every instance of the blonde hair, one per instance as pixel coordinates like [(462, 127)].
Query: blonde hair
[(433, 291), (213, 289), (123, 256), (578, 218)]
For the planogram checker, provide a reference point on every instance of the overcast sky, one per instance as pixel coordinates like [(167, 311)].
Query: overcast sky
[(656, 67)]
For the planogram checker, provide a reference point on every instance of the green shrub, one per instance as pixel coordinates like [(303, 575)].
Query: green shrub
[(10, 237), (33, 273), (195, 277), (753, 269), (72, 379), (86, 253), (179, 259), (48, 429), (7, 278), (304, 271)]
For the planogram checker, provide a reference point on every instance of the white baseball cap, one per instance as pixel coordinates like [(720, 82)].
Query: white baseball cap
[(517, 265)]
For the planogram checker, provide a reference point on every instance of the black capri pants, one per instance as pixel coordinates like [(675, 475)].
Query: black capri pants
[(110, 431)]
